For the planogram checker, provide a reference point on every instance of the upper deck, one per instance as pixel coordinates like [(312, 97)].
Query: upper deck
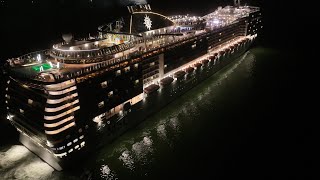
[(114, 43)]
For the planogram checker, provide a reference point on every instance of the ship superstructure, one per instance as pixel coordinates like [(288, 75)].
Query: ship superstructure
[(61, 98)]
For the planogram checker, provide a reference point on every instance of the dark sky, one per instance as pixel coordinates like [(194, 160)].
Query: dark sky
[(105, 3), (27, 27)]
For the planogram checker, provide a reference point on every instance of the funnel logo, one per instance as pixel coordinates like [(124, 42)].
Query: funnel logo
[(147, 22)]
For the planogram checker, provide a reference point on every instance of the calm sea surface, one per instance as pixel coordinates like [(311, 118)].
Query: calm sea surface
[(227, 125)]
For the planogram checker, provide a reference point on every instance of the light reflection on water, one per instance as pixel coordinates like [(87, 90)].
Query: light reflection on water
[(107, 174), (161, 131), (138, 151), (165, 128), (174, 124), (127, 159), (19, 163), (142, 149)]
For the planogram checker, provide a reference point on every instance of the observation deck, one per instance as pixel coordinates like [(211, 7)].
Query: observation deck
[(116, 42)]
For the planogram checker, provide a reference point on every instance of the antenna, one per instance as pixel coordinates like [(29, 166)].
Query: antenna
[(236, 3), (109, 26), (119, 24)]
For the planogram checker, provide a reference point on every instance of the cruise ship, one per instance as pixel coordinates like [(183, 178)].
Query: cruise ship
[(80, 94)]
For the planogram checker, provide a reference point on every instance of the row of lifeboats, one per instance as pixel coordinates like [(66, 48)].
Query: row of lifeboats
[(168, 80), (233, 47), (177, 75)]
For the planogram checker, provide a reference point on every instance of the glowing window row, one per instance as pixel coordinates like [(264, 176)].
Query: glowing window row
[(63, 91), (61, 107), (62, 114), (58, 123), (61, 129), (61, 85), (75, 140), (57, 101), (77, 147)]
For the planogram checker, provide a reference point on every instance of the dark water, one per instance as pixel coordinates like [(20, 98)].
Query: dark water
[(239, 122)]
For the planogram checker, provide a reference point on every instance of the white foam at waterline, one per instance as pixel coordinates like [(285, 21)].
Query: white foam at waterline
[(161, 130), (147, 141), (105, 170), (12, 156), (127, 159), (36, 169), (106, 173), (142, 148)]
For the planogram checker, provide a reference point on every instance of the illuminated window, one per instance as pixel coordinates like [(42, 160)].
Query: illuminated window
[(152, 64), (104, 84), (30, 101), (127, 69), (110, 94), (101, 104), (136, 65), (76, 140), (60, 148), (118, 72), (21, 111), (82, 144), (80, 130), (137, 81)]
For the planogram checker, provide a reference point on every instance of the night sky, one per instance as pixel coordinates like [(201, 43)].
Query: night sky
[(42, 22)]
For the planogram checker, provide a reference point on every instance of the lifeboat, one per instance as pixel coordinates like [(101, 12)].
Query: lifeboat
[(205, 61), (179, 74), (166, 81), (152, 88), (189, 70), (211, 58), (197, 65)]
